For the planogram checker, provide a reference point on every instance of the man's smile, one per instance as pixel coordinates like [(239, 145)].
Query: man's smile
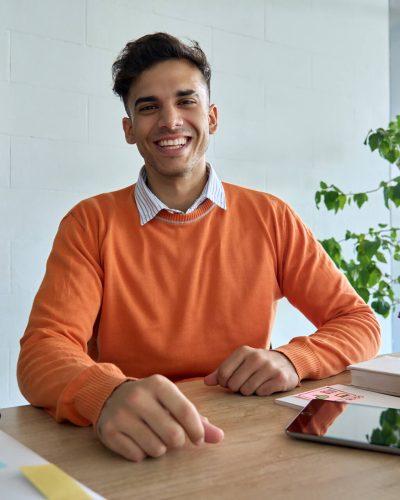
[(172, 143)]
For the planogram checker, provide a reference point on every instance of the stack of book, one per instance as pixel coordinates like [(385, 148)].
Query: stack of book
[(381, 374)]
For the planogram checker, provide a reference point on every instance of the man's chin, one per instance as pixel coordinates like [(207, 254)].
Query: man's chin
[(172, 171)]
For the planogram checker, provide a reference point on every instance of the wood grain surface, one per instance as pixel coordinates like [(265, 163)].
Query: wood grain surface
[(256, 460)]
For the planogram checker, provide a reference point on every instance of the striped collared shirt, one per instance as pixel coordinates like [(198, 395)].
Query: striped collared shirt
[(149, 205)]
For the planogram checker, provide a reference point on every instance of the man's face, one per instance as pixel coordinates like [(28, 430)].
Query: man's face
[(171, 118)]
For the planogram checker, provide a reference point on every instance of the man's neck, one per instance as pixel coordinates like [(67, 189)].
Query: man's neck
[(178, 192)]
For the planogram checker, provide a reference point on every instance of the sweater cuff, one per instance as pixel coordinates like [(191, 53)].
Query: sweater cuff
[(89, 401), (85, 397), (303, 359)]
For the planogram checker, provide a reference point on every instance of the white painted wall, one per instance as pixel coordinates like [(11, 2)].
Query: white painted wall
[(298, 82)]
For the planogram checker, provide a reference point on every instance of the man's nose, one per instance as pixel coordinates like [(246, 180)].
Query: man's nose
[(170, 117)]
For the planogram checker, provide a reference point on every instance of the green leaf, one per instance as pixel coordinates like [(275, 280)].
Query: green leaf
[(383, 286), (374, 277), (395, 194), (386, 196), (330, 200), (323, 185), (380, 257), (369, 247), (384, 148), (348, 235), (341, 201), (381, 307), (392, 156), (373, 141), (363, 293), (317, 198), (333, 249), (360, 199), (382, 225), (364, 278)]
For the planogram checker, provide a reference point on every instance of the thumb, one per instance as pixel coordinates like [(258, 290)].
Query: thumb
[(212, 433), (211, 378)]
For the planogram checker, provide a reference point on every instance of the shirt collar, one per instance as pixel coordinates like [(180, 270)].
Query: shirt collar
[(149, 205)]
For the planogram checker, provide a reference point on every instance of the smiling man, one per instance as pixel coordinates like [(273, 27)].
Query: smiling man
[(178, 276)]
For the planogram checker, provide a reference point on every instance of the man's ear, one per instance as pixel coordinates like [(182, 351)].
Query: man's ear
[(212, 119), (128, 129)]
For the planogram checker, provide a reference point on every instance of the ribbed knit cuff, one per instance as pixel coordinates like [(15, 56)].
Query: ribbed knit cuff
[(303, 359), (100, 381), (91, 399)]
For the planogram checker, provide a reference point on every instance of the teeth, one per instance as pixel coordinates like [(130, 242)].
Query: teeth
[(173, 142)]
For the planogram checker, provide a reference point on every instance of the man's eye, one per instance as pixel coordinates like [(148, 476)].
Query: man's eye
[(149, 107), (187, 102)]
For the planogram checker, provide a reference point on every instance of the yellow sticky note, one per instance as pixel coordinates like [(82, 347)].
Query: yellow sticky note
[(53, 482)]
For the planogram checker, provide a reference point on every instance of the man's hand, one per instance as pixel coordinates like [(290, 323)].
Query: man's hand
[(255, 371), (149, 416)]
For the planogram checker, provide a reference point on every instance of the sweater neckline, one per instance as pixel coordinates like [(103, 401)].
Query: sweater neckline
[(176, 218)]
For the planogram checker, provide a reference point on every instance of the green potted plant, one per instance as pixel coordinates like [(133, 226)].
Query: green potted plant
[(367, 268)]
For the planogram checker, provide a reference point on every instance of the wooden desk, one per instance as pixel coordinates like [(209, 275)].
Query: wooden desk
[(256, 460)]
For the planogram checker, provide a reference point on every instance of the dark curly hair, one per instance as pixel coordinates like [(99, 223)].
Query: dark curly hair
[(139, 55)]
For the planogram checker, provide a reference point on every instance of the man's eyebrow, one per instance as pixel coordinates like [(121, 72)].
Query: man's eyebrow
[(152, 98), (149, 98), (186, 92)]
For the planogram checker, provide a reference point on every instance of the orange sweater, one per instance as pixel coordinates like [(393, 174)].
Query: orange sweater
[(176, 297)]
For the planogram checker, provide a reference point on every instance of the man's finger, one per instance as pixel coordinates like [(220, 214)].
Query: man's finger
[(125, 446), (211, 378), (251, 372), (212, 433), (182, 410), (269, 387), (253, 382), (228, 367), (145, 438)]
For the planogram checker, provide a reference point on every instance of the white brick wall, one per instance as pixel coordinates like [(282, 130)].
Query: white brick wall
[(4, 160), (110, 24), (240, 16), (34, 111), (37, 61), (298, 83), (5, 267), (4, 55), (61, 20), (87, 168)]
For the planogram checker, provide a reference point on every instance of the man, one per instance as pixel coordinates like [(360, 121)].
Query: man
[(178, 276)]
